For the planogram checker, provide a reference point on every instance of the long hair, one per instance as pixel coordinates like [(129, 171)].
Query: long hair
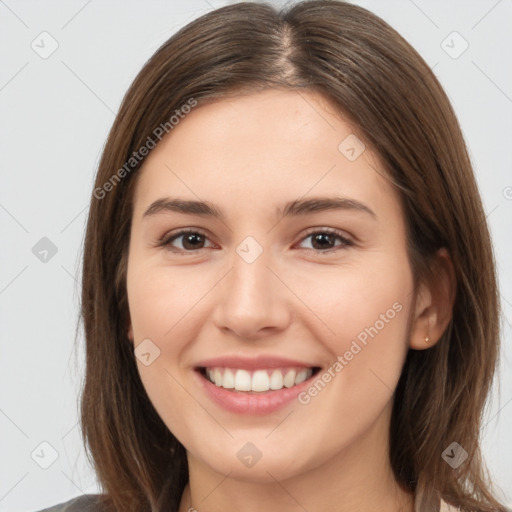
[(397, 106)]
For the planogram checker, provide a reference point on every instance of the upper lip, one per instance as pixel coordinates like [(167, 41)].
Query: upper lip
[(254, 363)]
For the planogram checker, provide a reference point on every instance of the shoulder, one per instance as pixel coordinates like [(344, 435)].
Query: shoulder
[(83, 503)]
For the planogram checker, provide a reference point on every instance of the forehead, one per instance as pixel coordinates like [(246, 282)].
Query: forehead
[(252, 150)]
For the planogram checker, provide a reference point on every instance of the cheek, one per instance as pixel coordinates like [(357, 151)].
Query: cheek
[(165, 308), (375, 307), (377, 341), (161, 301), (350, 300), (367, 312), (162, 310), (362, 321)]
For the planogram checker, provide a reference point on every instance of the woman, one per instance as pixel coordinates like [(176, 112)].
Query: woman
[(289, 295)]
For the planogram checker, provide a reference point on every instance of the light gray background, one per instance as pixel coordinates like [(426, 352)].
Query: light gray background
[(54, 118)]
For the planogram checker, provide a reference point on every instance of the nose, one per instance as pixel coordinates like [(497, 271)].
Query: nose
[(252, 301)]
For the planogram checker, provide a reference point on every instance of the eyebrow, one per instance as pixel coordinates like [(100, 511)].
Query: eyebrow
[(292, 208)]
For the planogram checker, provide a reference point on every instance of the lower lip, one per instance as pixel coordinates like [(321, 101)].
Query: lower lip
[(252, 403)]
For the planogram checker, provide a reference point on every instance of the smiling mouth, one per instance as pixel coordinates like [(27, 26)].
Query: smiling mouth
[(257, 381)]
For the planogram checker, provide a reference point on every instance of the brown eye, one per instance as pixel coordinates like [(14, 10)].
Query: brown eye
[(190, 241), (325, 240)]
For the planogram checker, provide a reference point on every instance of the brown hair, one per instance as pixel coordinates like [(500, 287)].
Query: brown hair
[(397, 106)]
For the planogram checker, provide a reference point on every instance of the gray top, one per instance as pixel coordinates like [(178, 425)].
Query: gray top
[(84, 503)]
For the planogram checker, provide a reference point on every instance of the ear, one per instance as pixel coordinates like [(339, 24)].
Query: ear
[(434, 303)]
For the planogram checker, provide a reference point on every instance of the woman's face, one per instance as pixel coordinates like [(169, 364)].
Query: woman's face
[(296, 263)]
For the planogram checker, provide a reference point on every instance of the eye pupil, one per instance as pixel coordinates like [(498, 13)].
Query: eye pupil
[(322, 238), (192, 239)]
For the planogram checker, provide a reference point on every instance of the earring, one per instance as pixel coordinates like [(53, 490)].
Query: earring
[(427, 339)]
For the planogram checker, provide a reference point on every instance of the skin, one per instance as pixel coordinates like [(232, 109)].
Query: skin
[(249, 155)]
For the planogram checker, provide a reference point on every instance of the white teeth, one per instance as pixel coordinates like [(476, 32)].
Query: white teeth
[(242, 380), (302, 375), (259, 380), (289, 379), (217, 375), (276, 380), (229, 379)]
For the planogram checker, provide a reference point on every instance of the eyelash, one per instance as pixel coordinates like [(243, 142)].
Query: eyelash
[(167, 240)]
